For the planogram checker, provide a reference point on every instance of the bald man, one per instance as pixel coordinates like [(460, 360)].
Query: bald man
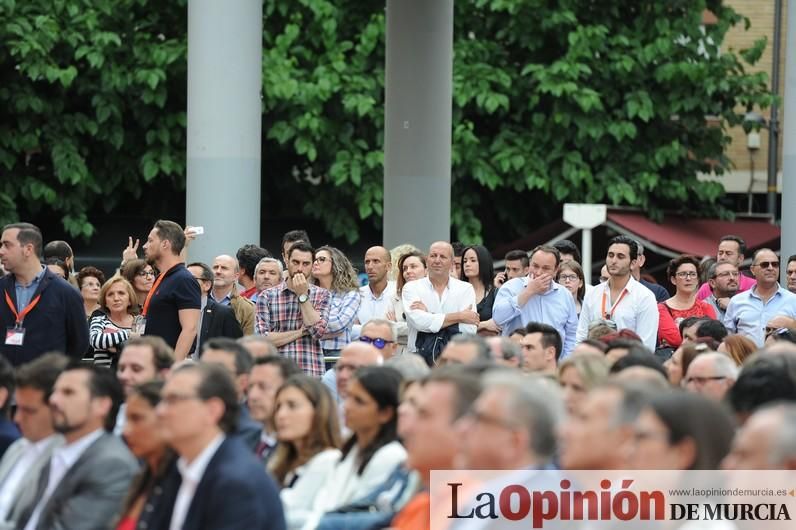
[(225, 275), (438, 305), (377, 295)]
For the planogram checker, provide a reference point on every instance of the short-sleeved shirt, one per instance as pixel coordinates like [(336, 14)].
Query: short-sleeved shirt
[(178, 290)]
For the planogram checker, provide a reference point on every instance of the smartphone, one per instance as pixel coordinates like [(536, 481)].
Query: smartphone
[(197, 230)]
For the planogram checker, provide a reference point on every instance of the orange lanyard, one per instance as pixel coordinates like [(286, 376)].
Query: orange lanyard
[(155, 286), (20, 315), (609, 316)]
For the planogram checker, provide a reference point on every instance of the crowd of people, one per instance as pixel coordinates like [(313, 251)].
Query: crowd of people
[(276, 392)]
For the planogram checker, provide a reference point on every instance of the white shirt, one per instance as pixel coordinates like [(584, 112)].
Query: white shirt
[(458, 296), (31, 452), (61, 462), (191, 477), (299, 498), (372, 306), (121, 419), (636, 309)]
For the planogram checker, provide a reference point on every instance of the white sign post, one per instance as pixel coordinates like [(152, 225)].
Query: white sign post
[(585, 217)]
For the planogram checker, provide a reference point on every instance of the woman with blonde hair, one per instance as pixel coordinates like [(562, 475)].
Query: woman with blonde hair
[(308, 432), (110, 328), (580, 373), (333, 271)]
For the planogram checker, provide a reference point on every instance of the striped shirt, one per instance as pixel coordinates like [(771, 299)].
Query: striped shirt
[(343, 308), (278, 310), (104, 335)]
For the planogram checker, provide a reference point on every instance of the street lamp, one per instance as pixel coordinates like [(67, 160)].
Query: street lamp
[(753, 122)]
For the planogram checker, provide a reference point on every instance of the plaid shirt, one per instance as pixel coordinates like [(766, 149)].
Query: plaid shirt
[(343, 309), (278, 310)]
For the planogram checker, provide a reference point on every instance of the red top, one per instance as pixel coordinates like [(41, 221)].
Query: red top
[(669, 320), (128, 523)]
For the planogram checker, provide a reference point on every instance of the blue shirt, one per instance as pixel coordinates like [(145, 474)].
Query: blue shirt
[(25, 292), (555, 308), (748, 315)]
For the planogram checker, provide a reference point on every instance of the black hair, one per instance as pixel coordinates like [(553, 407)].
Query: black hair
[(383, 384), (249, 256), (765, 379), (679, 261), (216, 382), (633, 347), (28, 235), (565, 246), (294, 236), (286, 366), (521, 255), (792, 257), (713, 329), (458, 248), (207, 272), (243, 359), (688, 322), (708, 424), (635, 359), (624, 240), (301, 246), (741, 243), (58, 249), (149, 391), (549, 250), (41, 373), (173, 233), (550, 336), (486, 267)]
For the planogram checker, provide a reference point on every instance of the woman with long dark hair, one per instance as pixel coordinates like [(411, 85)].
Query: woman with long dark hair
[(308, 431), (479, 270), (373, 450), (151, 496)]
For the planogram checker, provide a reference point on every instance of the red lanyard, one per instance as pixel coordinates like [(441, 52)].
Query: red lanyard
[(609, 316), (20, 315), (154, 288)]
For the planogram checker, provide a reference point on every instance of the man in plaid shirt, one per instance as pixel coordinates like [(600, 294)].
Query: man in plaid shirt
[(294, 313)]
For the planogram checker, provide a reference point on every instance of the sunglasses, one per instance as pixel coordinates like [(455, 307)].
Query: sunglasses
[(768, 264), (378, 343)]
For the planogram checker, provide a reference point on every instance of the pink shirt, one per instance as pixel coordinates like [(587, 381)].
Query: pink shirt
[(744, 284)]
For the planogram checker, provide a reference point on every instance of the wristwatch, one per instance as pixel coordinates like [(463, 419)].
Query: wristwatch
[(303, 298)]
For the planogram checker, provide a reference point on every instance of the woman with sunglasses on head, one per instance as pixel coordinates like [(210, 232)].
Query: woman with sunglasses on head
[(333, 271), (683, 273), (305, 417), (373, 451), (141, 276), (411, 266), (479, 270)]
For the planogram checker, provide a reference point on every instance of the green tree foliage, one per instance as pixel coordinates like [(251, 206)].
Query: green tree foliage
[(614, 101), (92, 104)]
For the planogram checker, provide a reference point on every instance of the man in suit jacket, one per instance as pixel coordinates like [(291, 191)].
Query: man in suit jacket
[(24, 460), (86, 479), (223, 486), (215, 320)]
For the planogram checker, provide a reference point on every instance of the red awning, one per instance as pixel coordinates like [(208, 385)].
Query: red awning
[(681, 235)]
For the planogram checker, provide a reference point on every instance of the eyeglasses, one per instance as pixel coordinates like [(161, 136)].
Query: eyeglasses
[(780, 334), (687, 274), (768, 264), (173, 399), (379, 343), (697, 380), (146, 274), (568, 278)]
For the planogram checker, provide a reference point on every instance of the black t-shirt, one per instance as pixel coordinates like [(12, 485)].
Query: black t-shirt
[(178, 290)]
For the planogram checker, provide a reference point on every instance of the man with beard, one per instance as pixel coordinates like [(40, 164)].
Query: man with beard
[(87, 478), (731, 250), (723, 280), (752, 311), (621, 300), (171, 310)]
